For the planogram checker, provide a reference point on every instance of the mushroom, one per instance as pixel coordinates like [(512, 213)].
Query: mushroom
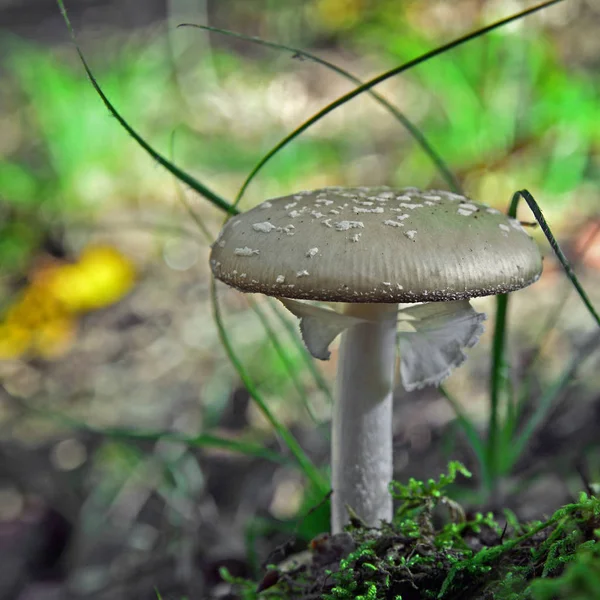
[(371, 249)]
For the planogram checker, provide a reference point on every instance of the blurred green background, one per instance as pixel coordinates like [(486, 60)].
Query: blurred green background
[(128, 448)]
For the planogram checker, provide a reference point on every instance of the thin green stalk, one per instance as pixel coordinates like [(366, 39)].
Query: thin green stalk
[(497, 385), (306, 465), (379, 79), (437, 160)]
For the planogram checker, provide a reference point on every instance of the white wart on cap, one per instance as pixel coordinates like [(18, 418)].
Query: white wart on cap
[(375, 245)]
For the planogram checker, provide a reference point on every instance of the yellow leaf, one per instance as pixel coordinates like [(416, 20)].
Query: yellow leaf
[(101, 277), (43, 320)]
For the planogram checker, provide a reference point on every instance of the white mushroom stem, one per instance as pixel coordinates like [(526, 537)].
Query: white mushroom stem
[(361, 446), (432, 338)]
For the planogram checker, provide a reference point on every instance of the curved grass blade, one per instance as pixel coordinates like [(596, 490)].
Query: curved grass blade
[(271, 334), (537, 212), (307, 466), (259, 313), (419, 137), (213, 197), (379, 79)]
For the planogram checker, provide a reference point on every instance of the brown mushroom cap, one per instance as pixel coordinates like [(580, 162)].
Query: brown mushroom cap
[(375, 245)]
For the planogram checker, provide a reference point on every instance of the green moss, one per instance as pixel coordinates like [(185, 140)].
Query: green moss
[(417, 558)]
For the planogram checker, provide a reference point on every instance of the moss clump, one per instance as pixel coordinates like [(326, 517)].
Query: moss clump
[(415, 558)]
